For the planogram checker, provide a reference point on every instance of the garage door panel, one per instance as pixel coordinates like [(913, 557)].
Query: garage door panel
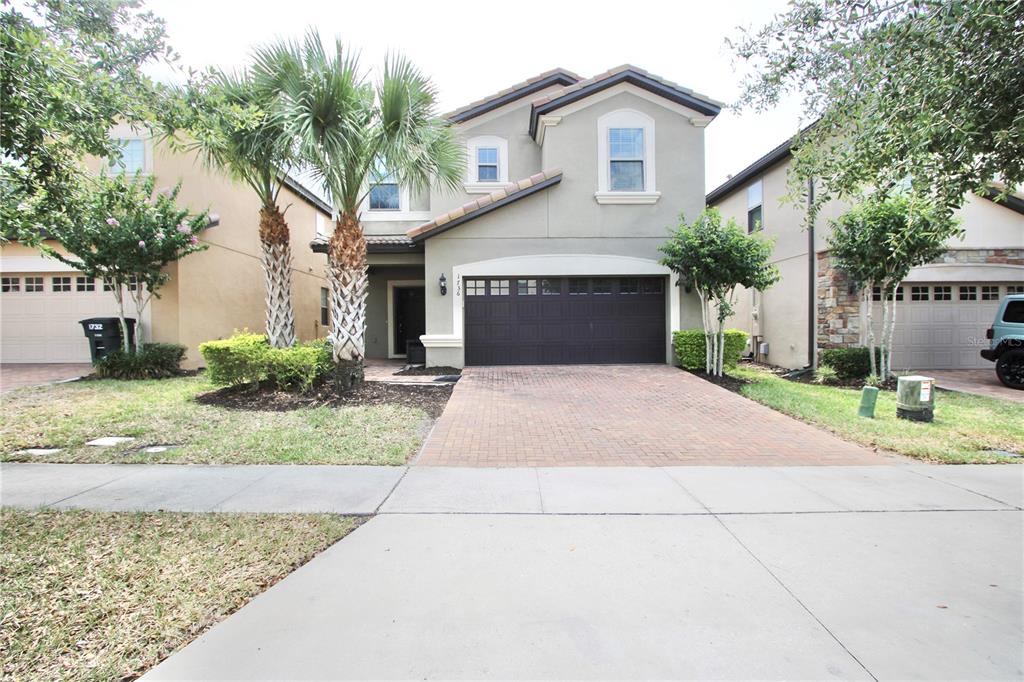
[(941, 334), (617, 324)]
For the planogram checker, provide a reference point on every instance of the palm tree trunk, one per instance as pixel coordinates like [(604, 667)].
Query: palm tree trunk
[(346, 266), (277, 268)]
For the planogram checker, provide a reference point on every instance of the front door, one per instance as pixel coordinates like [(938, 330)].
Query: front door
[(410, 316)]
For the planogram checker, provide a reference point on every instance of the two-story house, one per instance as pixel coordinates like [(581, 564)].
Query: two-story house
[(549, 253), (210, 294), (942, 308)]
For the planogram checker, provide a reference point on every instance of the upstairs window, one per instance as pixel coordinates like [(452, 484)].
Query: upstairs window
[(755, 201), (487, 164), (384, 194), (626, 159), (133, 157), (325, 307)]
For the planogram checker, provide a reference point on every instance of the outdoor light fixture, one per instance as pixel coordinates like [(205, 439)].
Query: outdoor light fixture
[(443, 283)]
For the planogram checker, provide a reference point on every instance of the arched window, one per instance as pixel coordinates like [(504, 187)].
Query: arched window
[(625, 153)]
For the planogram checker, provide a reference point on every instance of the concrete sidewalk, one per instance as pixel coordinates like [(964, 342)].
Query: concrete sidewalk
[(474, 490)]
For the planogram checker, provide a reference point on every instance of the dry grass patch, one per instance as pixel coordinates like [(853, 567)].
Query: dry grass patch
[(105, 596)]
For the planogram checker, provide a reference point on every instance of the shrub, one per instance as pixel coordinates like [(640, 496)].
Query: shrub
[(851, 364), (248, 359), (825, 374), (154, 361), (690, 349)]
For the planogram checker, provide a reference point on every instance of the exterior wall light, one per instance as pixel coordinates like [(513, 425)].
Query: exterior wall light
[(443, 283)]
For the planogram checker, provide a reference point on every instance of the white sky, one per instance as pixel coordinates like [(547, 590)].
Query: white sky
[(472, 49)]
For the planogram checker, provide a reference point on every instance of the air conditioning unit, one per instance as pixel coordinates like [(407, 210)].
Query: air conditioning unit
[(763, 349)]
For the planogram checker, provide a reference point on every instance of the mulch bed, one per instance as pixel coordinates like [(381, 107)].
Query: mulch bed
[(727, 382), (431, 398), (428, 372)]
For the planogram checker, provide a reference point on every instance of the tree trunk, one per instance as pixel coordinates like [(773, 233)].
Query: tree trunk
[(869, 321), (277, 269), (119, 297), (346, 265), (706, 323), (892, 332)]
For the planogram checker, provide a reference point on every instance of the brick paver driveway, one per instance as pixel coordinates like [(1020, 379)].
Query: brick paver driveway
[(618, 415)]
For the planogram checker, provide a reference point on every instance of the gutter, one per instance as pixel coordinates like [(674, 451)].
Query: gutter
[(812, 287)]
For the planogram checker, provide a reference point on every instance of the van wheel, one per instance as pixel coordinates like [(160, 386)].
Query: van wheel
[(1010, 368)]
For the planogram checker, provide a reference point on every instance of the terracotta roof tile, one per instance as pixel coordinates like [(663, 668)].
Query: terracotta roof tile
[(509, 90), (467, 210)]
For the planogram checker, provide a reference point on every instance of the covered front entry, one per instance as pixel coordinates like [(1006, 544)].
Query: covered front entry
[(564, 320)]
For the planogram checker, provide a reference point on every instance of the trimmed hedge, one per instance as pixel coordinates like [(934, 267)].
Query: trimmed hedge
[(689, 346), (154, 361), (851, 364), (248, 359)]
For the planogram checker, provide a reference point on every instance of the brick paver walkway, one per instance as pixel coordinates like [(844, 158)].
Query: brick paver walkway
[(15, 375), (619, 415)]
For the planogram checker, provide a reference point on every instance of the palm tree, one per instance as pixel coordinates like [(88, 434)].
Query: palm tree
[(237, 128), (350, 131)]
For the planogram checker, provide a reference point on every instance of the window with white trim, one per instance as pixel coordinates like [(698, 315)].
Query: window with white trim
[(133, 156), (61, 283), (626, 159), (755, 201), (625, 156), (33, 284), (1015, 289), (990, 293), (487, 163), (10, 284), (325, 307), (85, 284), (384, 194)]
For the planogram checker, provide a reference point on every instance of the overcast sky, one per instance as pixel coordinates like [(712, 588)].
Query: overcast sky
[(472, 49)]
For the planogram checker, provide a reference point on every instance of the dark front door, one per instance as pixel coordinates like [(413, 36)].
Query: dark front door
[(564, 320), (410, 316)]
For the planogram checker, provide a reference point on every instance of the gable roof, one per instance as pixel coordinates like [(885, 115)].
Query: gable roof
[(772, 158), (512, 192), (627, 73), (510, 94)]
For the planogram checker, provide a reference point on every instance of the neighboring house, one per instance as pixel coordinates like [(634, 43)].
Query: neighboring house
[(210, 294), (943, 308), (549, 251)]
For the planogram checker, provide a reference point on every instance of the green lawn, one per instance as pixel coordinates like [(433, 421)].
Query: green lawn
[(964, 427), (101, 596), (160, 412)]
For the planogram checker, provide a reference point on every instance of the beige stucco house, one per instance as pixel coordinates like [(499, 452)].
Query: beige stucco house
[(943, 308), (548, 253), (210, 294)]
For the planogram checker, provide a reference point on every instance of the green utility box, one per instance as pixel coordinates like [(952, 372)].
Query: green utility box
[(915, 398), (868, 398)]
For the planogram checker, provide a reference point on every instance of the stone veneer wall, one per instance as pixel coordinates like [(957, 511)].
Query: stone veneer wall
[(839, 308)]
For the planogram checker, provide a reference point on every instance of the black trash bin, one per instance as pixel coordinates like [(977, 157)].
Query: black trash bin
[(415, 353), (104, 334)]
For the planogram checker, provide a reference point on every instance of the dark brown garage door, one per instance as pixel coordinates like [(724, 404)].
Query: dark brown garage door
[(565, 320)]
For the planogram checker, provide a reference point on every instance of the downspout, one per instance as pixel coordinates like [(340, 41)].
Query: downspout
[(812, 285)]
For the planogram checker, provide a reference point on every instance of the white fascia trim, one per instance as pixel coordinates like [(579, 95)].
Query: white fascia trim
[(545, 122), (392, 283), (601, 96), (33, 264), (626, 118), (441, 341), (556, 265), (627, 197), (395, 216)]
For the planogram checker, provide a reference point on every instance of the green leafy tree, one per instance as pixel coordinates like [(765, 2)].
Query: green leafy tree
[(922, 89), (234, 121), (351, 131), (713, 259), (70, 71), (126, 233), (876, 244)]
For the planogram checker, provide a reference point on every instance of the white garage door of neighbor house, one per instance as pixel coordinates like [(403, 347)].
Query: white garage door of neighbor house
[(942, 326), (39, 314)]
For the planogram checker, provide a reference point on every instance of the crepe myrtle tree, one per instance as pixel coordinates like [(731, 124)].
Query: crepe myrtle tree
[(352, 132), (713, 259), (876, 244), (126, 233), (233, 121)]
